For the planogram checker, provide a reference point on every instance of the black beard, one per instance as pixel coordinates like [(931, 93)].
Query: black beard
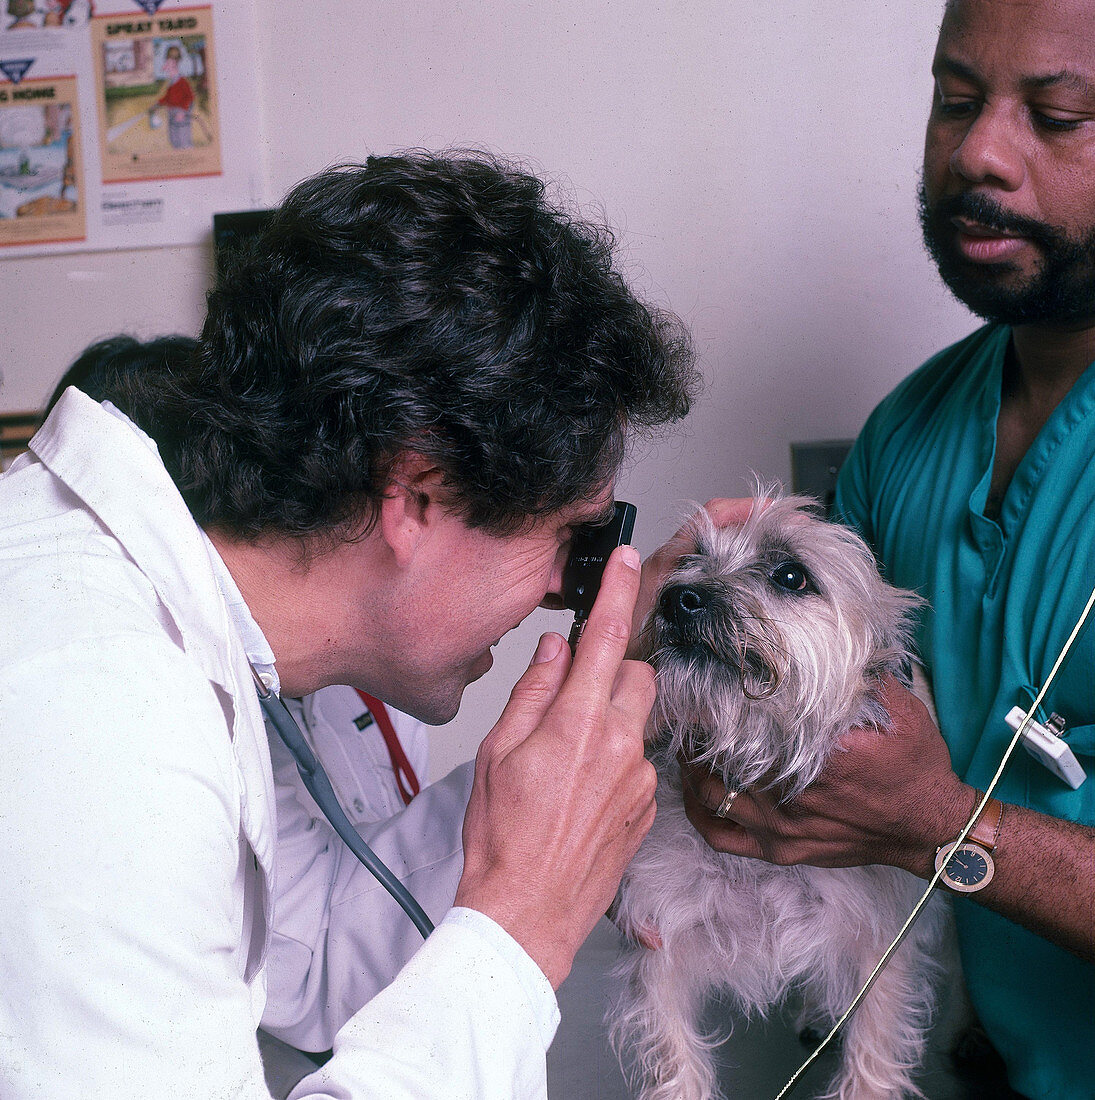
[(1061, 292)]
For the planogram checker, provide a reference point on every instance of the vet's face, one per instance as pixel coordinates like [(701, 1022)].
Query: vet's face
[(1008, 193), (469, 589)]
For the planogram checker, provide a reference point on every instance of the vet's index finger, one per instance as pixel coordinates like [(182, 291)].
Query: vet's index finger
[(608, 630)]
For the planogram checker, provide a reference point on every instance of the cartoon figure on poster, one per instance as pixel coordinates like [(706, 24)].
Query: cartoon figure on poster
[(175, 66), (150, 81), (23, 15), (37, 174)]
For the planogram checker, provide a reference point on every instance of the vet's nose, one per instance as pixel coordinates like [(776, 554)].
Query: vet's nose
[(683, 605)]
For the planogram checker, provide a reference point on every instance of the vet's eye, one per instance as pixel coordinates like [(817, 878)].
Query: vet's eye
[(791, 576)]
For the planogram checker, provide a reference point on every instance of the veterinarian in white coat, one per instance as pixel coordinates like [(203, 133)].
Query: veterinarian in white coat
[(123, 752), (315, 534)]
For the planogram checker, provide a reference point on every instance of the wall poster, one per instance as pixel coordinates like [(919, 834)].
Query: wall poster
[(124, 123)]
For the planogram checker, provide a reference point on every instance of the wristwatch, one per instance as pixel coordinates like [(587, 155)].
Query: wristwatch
[(968, 866)]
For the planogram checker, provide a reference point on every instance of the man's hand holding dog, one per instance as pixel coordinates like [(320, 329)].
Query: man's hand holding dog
[(892, 798), (888, 797)]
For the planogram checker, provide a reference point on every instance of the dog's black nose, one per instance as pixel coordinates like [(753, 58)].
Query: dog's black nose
[(683, 605)]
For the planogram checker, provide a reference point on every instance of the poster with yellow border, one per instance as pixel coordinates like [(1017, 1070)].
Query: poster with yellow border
[(160, 103), (42, 193), (157, 91)]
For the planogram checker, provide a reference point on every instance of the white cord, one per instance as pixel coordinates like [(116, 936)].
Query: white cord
[(934, 880)]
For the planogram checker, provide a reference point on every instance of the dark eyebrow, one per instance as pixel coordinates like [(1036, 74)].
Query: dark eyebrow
[(1062, 79), (954, 68)]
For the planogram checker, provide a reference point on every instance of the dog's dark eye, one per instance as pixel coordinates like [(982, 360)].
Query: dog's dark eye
[(791, 576)]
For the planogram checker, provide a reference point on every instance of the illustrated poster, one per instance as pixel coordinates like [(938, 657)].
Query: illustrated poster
[(124, 123), (41, 169)]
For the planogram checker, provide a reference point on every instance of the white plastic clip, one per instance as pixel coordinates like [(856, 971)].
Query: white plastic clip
[(1044, 743)]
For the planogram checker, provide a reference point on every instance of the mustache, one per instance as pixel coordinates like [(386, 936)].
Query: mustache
[(989, 213)]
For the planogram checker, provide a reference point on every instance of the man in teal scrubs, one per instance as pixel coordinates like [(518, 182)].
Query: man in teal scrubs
[(975, 483)]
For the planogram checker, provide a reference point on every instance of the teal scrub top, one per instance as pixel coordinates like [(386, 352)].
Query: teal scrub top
[(1004, 596)]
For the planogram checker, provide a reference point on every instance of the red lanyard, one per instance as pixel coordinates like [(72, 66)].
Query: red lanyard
[(401, 766)]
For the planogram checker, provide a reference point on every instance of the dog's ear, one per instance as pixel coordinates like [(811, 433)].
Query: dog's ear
[(900, 609), (893, 612), (872, 713), (896, 614)]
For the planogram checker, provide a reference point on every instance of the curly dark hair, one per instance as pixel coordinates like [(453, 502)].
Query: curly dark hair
[(438, 304), (99, 369)]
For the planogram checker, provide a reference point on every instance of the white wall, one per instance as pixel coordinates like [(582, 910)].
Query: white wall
[(759, 159)]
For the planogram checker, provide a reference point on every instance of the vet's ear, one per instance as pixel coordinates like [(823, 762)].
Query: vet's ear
[(410, 505)]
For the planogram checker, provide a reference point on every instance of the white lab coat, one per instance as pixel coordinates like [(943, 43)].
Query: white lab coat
[(354, 754), (138, 832), (326, 961)]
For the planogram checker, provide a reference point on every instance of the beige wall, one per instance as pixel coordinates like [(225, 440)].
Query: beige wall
[(759, 159)]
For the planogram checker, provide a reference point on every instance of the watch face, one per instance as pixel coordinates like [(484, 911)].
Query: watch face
[(968, 867)]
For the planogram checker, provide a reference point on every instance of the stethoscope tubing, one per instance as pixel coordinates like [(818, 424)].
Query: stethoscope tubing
[(318, 785)]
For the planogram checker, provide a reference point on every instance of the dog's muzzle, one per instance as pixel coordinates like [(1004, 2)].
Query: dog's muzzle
[(703, 621)]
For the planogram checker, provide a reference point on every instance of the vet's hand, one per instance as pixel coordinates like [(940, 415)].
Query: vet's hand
[(725, 512), (563, 795), (884, 797)]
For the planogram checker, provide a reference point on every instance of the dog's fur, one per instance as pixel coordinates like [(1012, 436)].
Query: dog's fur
[(757, 681)]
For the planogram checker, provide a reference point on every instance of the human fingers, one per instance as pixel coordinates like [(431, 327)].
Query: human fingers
[(704, 796), (532, 695), (656, 568), (721, 834), (709, 793), (909, 749), (603, 645), (553, 823), (635, 691), (900, 780), (613, 763), (907, 711), (726, 511)]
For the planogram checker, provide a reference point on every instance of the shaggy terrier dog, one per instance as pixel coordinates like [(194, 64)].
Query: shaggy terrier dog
[(769, 643)]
